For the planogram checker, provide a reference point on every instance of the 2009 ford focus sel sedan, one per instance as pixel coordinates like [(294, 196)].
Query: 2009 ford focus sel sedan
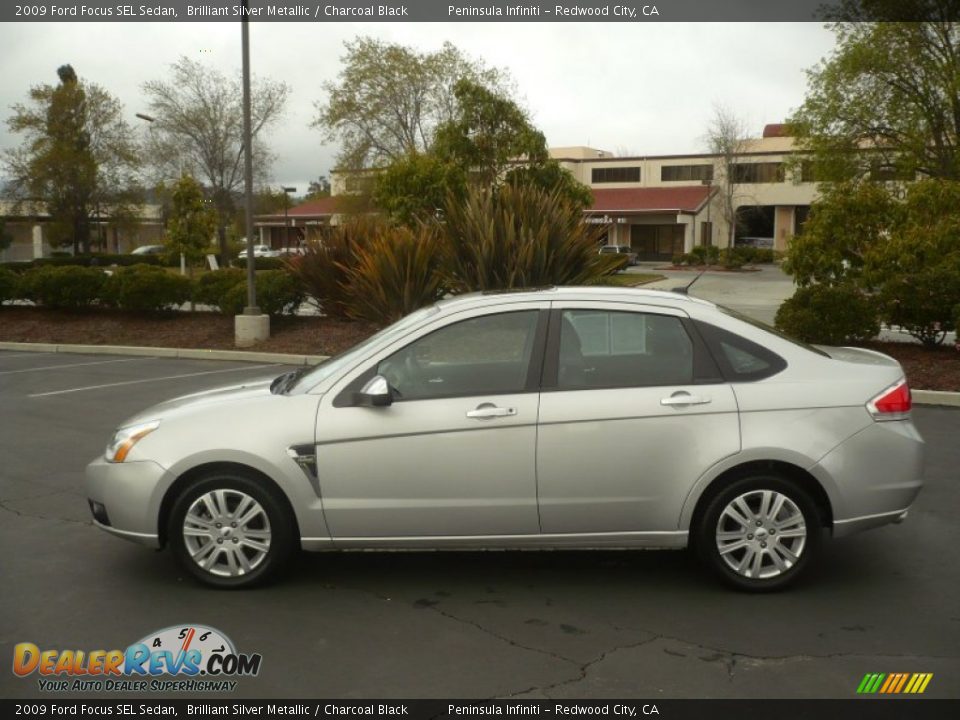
[(556, 418)]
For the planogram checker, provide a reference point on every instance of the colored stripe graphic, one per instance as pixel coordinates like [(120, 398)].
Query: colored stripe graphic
[(894, 683)]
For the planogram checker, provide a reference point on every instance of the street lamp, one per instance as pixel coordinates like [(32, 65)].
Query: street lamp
[(286, 223), (252, 326)]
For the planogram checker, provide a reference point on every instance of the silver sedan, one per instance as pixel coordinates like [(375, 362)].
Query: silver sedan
[(559, 418)]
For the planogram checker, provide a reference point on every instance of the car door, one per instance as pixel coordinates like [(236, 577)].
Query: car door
[(454, 454), (633, 410)]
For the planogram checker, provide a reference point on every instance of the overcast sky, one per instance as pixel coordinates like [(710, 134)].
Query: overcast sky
[(629, 88)]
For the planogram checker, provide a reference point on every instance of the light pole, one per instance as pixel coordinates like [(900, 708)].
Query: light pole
[(183, 260), (252, 326), (286, 222)]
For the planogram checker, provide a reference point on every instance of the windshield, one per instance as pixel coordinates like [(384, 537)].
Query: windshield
[(770, 329), (333, 365)]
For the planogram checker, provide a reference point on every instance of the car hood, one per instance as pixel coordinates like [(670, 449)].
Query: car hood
[(247, 390)]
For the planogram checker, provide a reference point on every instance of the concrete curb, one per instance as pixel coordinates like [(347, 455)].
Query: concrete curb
[(163, 352), (936, 397), (920, 397)]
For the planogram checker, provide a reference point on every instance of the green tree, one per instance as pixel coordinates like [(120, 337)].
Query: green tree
[(197, 129), (319, 188), (845, 224), (414, 188), (488, 143), (488, 133), (888, 98), (192, 223), (78, 157), (389, 99), (904, 253)]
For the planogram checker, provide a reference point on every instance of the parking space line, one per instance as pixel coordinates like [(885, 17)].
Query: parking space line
[(15, 354), (147, 380), (70, 365)]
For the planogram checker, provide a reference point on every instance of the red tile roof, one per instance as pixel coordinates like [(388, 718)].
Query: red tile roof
[(687, 198), (320, 208)]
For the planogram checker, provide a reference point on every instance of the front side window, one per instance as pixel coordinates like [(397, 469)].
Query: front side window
[(488, 355), (603, 349)]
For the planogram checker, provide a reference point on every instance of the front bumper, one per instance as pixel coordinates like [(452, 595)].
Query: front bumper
[(127, 493)]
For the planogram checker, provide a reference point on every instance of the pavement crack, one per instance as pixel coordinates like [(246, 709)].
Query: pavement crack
[(502, 638), (584, 668), (37, 516)]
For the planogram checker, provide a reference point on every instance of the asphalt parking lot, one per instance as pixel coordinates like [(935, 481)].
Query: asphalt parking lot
[(477, 625)]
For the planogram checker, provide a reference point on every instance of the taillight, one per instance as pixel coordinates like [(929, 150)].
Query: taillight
[(894, 403)]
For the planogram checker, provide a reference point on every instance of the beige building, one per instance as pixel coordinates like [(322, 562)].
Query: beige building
[(27, 224), (660, 205), (664, 205)]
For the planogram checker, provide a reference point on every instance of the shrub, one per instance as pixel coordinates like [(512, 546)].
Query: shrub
[(9, 285), (322, 269), (519, 236), (146, 287), (697, 255), (677, 259), (732, 258), (210, 288), (711, 254), (922, 303), (761, 256), (395, 274), (829, 315), (97, 260), (278, 293), (69, 288)]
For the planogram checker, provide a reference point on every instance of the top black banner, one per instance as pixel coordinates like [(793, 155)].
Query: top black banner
[(627, 11)]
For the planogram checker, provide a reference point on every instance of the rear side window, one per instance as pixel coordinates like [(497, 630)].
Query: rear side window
[(740, 360), (602, 349)]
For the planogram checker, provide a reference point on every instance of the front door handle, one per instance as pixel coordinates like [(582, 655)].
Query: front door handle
[(684, 398), (488, 411)]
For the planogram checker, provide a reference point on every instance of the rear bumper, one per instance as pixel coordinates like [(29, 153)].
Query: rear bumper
[(876, 476)]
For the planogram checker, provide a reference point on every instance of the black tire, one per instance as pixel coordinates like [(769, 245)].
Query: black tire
[(770, 577), (279, 526)]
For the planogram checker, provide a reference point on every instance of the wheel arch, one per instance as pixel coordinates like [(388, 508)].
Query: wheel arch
[(199, 471), (780, 468)]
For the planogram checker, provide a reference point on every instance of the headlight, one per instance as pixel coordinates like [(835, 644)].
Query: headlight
[(125, 438)]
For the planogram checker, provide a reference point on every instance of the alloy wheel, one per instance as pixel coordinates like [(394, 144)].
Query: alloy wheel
[(761, 534), (226, 532)]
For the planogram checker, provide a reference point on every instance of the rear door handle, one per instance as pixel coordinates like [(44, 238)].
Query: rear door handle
[(682, 398), (486, 412)]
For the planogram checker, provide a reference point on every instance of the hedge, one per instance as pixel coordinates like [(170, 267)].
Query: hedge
[(146, 287)]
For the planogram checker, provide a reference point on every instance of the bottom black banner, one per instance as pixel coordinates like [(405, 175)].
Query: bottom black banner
[(861, 708)]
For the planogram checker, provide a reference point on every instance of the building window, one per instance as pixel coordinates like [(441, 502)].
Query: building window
[(616, 175), (808, 171), (771, 172), (688, 173), (359, 183)]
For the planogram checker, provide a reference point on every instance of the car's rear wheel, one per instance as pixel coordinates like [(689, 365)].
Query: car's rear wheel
[(759, 533), (230, 530)]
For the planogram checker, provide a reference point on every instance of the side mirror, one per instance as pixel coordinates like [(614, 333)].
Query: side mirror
[(376, 393)]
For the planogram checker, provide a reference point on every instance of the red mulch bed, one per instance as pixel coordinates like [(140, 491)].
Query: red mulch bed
[(936, 369), (299, 335), (927, 369)]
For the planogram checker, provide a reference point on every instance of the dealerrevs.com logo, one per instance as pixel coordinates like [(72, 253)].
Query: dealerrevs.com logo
[(201, 658)]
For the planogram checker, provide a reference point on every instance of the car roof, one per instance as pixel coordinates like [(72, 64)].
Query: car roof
[(586, 293)]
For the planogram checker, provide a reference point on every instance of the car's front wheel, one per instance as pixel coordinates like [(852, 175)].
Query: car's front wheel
[(230, 530), (759, 533)]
